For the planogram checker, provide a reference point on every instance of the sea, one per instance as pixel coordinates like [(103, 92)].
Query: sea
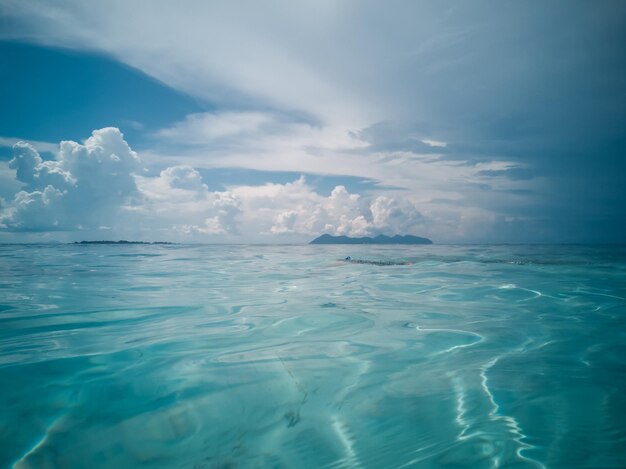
[(257, 356)]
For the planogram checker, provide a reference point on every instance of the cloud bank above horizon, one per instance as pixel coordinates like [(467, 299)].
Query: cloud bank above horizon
[(482, 122), (98, 186)]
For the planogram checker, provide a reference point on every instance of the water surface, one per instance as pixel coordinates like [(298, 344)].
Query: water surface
[(285, 356)]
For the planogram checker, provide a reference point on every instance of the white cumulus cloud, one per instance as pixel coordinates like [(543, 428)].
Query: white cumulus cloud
[(84, 186), (101, 186), (296, 208)]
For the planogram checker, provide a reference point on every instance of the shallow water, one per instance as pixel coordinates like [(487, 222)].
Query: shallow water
[(285, 356)]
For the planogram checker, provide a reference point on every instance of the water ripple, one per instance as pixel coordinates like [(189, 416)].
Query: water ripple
[(284, 356)]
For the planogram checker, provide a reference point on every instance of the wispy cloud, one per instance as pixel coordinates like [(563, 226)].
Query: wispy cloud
[(39, 146), (434, 143)]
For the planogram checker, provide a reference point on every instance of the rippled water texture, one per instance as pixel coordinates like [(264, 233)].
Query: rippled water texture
[(285, 356)]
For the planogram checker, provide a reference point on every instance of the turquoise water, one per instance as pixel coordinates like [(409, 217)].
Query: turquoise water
[(284, 356)]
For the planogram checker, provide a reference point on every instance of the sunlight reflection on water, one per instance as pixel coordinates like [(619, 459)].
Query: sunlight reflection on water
[(285, 356)]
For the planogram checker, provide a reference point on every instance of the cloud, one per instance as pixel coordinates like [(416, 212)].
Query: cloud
[(434, 143), (39, 146), (271, 142), (39, 210), (393, 215), (295, 208), (101, 189), (499, 109), (34, 172), (238, 61), (179, 202), (199, 128), (183, 177), (266, 210), (99, 184), (84, 186), (102, 182), (231, 133)]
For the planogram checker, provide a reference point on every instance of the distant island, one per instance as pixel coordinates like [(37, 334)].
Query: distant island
[(380, 239), (121, 241)]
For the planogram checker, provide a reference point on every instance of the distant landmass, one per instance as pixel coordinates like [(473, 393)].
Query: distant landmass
[(121, 241), (381, 239)]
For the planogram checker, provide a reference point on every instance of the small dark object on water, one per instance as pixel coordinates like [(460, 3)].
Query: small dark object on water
[(292, 418), (381, 263)]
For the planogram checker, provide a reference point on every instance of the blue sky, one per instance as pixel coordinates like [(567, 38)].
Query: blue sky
[(59, 94), (275, 121)]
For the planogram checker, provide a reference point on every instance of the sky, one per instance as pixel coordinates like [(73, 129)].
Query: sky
[(277, 121)]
